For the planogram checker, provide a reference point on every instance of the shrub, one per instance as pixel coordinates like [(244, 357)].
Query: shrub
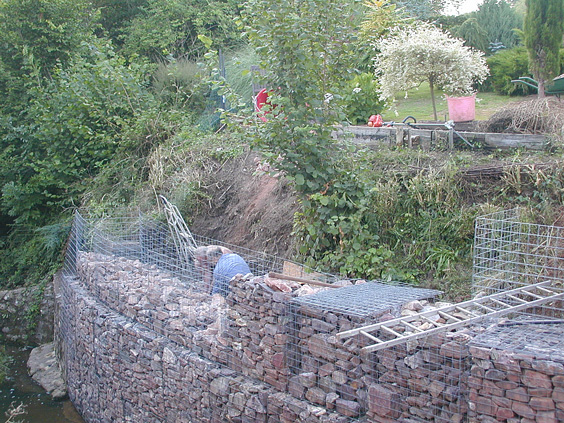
[(181, 84), (506, 65), (362, 99)]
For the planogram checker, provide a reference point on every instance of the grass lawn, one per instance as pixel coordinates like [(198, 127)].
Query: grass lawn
[(418, 104)]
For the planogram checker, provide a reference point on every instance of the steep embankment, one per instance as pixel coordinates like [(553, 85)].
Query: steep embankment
[(248, 207)]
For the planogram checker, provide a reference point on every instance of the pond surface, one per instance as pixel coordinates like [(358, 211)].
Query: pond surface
[(20, 388)]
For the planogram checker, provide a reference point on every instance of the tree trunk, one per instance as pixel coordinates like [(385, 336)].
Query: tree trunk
[(432, 88), (541, 88)]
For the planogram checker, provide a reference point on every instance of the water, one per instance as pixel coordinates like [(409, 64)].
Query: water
[(39, 407)]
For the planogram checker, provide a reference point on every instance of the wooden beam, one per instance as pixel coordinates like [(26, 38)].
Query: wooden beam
[(275, 275)]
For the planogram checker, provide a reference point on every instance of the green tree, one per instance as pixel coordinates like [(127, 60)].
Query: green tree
[(72, 130), (473, 34), (543, 37), (170, 28), (116, 15), (499, 19), (36, 36), (380, 17), (425, 9), (505, 66), (308, 51)]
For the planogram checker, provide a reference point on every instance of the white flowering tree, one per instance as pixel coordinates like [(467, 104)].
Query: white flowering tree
[(425, 53)]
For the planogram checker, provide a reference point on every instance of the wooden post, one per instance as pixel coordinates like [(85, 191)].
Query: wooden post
[(399, 136)]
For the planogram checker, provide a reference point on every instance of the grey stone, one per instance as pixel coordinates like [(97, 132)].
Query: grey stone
[(44, 369)]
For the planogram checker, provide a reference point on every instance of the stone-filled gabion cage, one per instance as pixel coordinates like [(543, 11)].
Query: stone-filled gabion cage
[(517, 371), (139, 339)]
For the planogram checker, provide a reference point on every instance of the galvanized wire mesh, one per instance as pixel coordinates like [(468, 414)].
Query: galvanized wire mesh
[(366, 300), (151, 242), (509, 254), (517, 362), (284, 336)]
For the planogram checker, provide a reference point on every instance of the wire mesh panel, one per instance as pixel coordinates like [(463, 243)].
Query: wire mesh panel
[(150, 242), (366, 300), (423, 380), (510, 254), (517, 365), (334, 373), (517, 372)]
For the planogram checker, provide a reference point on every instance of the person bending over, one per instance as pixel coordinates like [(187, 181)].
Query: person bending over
[(219, 265)]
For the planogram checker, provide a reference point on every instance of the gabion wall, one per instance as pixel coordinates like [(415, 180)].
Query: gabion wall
[(140, 341)]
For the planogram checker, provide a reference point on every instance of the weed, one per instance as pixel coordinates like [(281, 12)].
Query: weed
[(5, 362)]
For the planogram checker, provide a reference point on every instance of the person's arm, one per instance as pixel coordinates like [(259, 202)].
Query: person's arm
[(207, 275), (225, 250)]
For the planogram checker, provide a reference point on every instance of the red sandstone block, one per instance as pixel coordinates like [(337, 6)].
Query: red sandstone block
[(519, 394), (514, 377), (278, 360), (558, 395), (475, 382), (540, 392), (535, 379), (477, 371), (548, 367), (506, 384), (347, 408), (485, 406), (547, 417), (504, 414), (523, 410), (489, 388), (383, 401), (502, 402), (541, 404), (495, 375), (481, 353), (558, 381)]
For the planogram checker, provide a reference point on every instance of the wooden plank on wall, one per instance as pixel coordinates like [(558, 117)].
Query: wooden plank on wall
[(368, 136)]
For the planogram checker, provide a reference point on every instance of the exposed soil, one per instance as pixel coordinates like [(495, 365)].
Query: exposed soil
[(249, 208)]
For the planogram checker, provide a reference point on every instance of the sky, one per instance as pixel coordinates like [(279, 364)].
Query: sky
[(465, 7)]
